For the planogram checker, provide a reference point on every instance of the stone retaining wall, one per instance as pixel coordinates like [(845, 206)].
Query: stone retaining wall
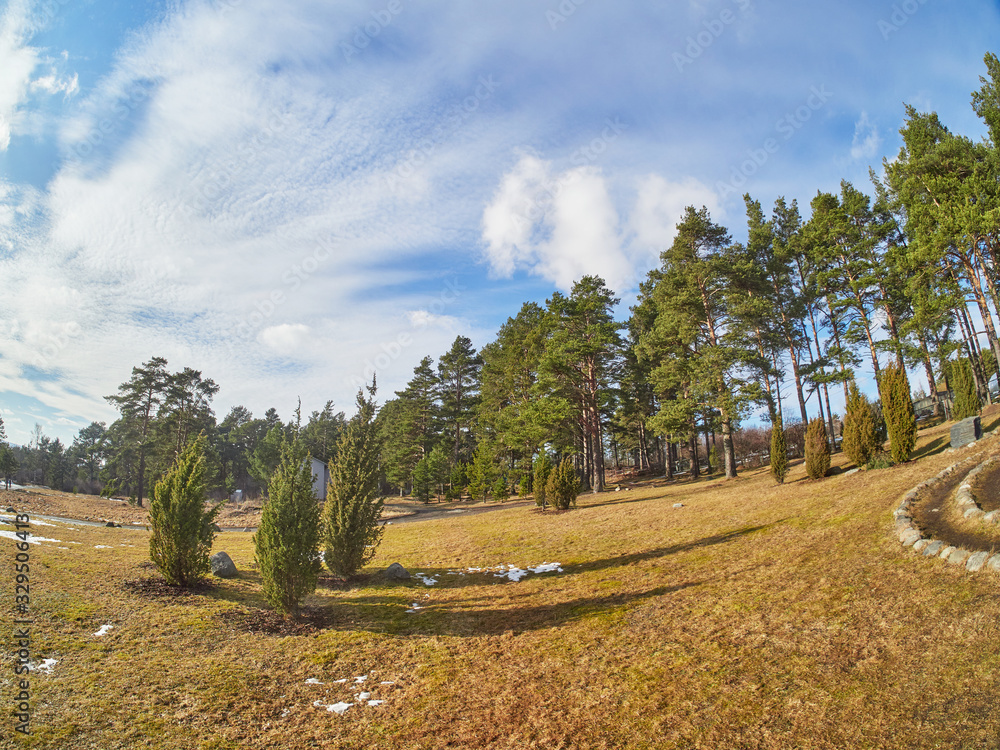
[(910, 536)]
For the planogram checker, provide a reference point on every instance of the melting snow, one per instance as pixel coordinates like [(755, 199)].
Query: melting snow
[(428, 580), (364, 696), (413, 608), (102, 546), (46, 665), (340, 682), (313, 681), (362, 678), (387, 682), (376, 703), (104, 629), (32, 539)]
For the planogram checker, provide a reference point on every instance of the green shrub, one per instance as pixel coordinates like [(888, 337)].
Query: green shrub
[(563, 486), (860, 439), (817, 449), (779, 452), (524, 486), (500, 489), (897, 408), (543, 467), (967, 402), (287, 542), (183, 529), (351, 528)]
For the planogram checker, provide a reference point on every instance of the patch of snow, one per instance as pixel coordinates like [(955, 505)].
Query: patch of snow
[(413, 608), (285, 713), (362, 678), (104, 629), (339, 708), (547, 568), (364, 696), (428, 580), (36, 522), (45, 666), (376, 703), (514, 574), (313, 681), (32, 539), (102, 546), (72, 542), (65, 548), (387, 682)]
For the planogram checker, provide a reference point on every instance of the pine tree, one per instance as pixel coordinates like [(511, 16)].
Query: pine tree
[(421, 480), (351, 531), (287, 542), (897, 408), (183, 529), (861, 439), (817, 449), (500, 489), (967, 402), (779, 452)]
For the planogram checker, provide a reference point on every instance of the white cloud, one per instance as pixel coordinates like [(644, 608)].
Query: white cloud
[(17, 61), (287, 339), (564, 226), (866, 139)]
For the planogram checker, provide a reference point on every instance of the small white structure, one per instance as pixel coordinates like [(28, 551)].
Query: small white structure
[(321, 477)]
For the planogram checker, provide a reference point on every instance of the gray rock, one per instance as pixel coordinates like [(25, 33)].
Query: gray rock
[(911, 538), (992, 517), (110, 524), (973, 513), (921, 544), (976, 561), (222, 565), (946, 552), (933, 548), (396, 572), (959, 556), (678, 505), (993, 564)]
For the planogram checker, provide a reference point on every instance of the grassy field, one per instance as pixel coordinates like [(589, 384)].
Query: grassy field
[(755, 616)]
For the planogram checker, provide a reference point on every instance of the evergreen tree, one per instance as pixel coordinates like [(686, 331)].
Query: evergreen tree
[(287, 542), (779, 452), (967, 402), (267, 454), (860, 437), (351, 529), (422, 481), (500, 490), (482, 473), (563, 485), (543, 467), (817, 449), (897, 409), (458, 386), (183, 529)]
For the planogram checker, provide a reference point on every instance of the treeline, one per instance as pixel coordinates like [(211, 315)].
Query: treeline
[(899, 279)]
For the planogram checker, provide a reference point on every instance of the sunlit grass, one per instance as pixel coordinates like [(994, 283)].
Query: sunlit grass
[(754, 616)]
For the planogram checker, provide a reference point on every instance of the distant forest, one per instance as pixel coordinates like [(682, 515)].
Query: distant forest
[(901, 277)]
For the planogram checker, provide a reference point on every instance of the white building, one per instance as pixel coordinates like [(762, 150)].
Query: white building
[(321, 477)]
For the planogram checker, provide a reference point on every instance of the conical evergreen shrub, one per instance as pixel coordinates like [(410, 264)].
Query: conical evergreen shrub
[(543, 467), (860, 439), (563, 486), (967, 402), (183, 529), (817, 449), (779, 452), (287, 542), (897, 409)]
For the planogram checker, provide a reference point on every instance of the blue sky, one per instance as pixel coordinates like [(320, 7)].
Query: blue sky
[(286, 195)]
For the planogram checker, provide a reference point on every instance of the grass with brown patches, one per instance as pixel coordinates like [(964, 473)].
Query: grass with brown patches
[(756, 616)]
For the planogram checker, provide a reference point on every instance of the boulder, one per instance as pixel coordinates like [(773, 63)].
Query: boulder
[(959, 556), (932, 549), (976, 561), (396, 572), (223, 565)]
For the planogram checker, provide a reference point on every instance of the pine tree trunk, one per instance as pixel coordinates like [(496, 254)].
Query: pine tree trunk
[(728, 448)]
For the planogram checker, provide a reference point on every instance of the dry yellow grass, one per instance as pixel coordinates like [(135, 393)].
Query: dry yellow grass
[(756, 616)]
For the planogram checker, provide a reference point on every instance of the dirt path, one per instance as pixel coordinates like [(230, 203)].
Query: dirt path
[(934, 511)]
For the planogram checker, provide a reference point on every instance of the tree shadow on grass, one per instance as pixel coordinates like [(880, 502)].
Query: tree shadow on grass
[(934, 447)]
